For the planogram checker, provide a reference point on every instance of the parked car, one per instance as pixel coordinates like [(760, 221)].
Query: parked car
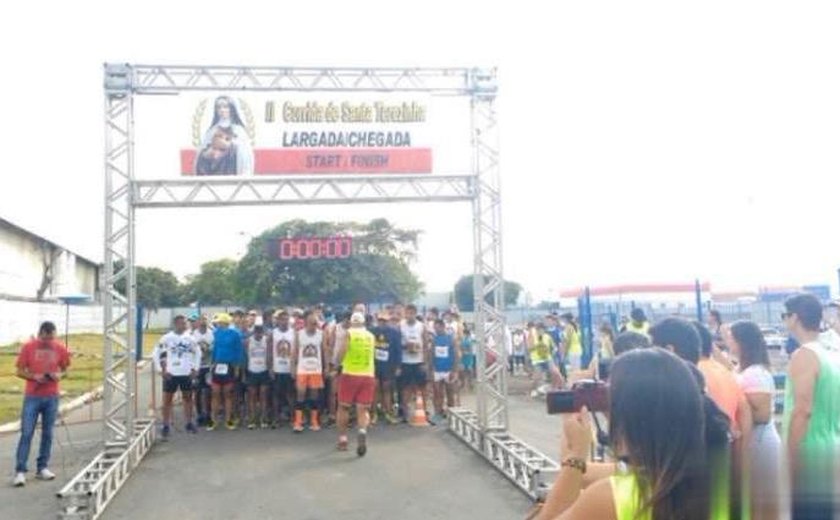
[(773, 338)]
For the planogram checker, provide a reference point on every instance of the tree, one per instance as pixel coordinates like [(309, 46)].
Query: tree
[(156, 288), (215, 283), (378, 269), (464, 295)]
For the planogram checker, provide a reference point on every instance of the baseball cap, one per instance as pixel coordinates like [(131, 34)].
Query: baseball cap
[(222, 317), (357, 319), (193, 317)]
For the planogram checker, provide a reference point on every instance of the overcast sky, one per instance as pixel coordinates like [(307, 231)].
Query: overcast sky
[(641, 141)]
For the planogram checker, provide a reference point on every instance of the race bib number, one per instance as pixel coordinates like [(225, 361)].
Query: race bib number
[(382, 354), (442, 352), (257, 364), (310, 366), (221, 370)]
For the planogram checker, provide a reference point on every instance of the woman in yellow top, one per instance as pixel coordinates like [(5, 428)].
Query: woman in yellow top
[(659, 431), (571, 340)]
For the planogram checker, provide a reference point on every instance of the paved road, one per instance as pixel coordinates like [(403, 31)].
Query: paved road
[(408, 473)]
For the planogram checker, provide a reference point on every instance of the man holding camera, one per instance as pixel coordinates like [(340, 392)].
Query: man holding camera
[(41, 362)]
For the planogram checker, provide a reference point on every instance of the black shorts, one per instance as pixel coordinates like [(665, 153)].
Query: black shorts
[(175, 383), (283, 382), (203, 378), (413, 375), (385, 371), (257, 378)]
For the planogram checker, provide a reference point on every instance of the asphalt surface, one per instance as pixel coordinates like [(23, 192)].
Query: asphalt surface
[(408, 473)]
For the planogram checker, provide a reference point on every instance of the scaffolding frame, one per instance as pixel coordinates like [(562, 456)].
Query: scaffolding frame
[(126, 438)]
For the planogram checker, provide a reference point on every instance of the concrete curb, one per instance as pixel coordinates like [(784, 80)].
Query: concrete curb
[(66, 408)]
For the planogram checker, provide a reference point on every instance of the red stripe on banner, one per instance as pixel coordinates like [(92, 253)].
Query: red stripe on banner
[(273, 161), (188, 162)]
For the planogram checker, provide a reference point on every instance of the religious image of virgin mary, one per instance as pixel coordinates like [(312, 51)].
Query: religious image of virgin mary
[(213, 159)]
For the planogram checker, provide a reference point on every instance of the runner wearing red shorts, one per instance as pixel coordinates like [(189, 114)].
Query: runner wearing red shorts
[(358, 382)]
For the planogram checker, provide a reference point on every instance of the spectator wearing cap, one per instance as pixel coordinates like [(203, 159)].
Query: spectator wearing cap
[(192, 321)]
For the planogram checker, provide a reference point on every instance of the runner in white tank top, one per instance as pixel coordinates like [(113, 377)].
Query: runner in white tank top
[(308, 361), (283, 391), (257, 378), (338, 333)]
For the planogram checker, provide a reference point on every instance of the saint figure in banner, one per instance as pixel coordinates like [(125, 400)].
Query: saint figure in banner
[(226, 147)]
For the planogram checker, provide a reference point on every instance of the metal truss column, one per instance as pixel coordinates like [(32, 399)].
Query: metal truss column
[(491, 354), (119, 384)]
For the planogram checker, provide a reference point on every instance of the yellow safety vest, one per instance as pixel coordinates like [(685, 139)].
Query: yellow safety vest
[(358, 361), (639, 329)]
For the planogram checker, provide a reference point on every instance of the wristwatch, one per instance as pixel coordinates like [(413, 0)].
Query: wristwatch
[(574, 462)]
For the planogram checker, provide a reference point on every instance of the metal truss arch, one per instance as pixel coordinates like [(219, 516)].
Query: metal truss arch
[(126, 438)]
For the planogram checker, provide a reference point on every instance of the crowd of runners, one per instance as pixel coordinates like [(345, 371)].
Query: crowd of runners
[(309, 368)]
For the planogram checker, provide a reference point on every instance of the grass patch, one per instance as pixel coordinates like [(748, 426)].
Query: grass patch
[(85, 371)]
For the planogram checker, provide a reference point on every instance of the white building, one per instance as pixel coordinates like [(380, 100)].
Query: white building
[(35, 268)]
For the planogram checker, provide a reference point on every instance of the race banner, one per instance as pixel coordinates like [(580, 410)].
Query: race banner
[(248, 134)]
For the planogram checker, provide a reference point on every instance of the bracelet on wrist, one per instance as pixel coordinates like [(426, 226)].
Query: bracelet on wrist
[(575, 463)]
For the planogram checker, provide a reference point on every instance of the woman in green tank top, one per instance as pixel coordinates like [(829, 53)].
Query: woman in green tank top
[(658, 429)]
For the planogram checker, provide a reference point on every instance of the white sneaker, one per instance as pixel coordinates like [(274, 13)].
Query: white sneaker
[(45, 474), (20, 480)]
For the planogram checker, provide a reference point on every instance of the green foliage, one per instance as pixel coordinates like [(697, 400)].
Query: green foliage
[(156, 288), (378, 270), (465, 299), (214, 284)]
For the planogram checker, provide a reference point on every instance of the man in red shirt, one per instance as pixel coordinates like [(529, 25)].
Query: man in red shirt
[(41, 362)]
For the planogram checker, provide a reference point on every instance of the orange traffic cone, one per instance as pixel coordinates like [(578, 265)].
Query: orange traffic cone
[(419, 416)]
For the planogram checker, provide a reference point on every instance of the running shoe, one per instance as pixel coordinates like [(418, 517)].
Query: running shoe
[(211, 425), (165, 431), (252, 425), (191, 428), (361, 447), (298, 428), (390, 419), (342, 444), (231, 425), (264, 425)]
